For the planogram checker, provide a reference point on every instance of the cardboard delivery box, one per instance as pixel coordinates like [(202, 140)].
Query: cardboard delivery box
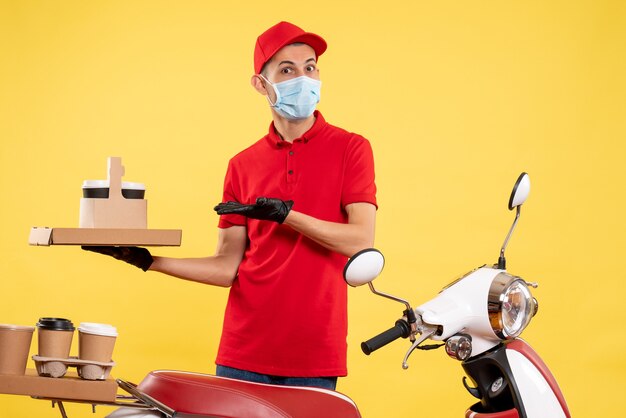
[(70, 387), (104, 236)]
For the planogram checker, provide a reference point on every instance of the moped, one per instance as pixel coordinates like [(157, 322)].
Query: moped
[(478, 319)]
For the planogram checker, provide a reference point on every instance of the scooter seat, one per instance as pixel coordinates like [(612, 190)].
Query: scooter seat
[(203, 394)]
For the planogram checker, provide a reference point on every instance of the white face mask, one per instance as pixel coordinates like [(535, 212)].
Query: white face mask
[(296, 98)]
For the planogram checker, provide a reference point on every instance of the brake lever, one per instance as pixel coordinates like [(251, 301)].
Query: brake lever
[(426, 332)]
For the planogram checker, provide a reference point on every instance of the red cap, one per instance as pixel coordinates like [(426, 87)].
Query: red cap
[(279, 35)]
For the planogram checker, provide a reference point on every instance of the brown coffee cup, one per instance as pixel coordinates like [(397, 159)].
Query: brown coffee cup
[(14, 348), (96, 341), (55, 340), (55, 337)]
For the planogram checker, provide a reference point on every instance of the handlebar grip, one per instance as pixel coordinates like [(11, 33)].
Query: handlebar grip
[(402, 329)]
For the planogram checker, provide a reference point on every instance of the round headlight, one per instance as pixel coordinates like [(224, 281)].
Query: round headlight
[(510, 306)]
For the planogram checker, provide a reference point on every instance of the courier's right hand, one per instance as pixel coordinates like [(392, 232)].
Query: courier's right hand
[(265, 209), (137, 256)]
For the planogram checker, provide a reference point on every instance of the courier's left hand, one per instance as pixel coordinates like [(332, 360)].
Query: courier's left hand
[(265, 208), (137, 256)]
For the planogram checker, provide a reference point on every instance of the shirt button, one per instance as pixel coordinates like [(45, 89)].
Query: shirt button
[(290, 152), (290, 172)]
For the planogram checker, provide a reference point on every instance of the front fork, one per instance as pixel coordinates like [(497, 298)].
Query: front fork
[(495, 384)]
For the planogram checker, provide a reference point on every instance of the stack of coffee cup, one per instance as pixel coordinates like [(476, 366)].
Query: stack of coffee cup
[(14, 348), (55, 340), (95, 343)]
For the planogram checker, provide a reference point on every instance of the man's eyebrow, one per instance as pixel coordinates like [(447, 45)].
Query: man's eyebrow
[(293, 63)]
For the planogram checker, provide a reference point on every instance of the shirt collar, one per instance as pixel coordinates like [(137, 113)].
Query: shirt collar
[(275, 139)]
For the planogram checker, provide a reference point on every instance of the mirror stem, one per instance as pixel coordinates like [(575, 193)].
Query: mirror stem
[(502, 259), (385, 295)]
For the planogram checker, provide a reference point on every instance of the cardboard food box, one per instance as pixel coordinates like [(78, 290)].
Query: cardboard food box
[(104, 236), (111, 219), (70, 387)]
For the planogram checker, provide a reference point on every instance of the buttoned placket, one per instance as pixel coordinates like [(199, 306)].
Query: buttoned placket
[(291, 167), (291, 162)]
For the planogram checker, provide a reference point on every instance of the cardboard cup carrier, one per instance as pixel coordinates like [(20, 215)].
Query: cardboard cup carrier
[(95, 343), (112, 203), (14, 348), (54, 341)]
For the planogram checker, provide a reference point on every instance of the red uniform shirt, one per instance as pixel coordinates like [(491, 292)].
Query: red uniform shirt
[(287, 309)]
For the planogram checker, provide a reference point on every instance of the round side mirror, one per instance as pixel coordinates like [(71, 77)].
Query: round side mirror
[(520, 191), (363, 267)]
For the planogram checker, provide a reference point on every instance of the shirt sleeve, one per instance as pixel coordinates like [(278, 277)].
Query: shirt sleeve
[(359, 179), (230, 194)]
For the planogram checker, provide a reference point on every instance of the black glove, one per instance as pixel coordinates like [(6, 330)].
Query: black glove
[(265, 209), (137, 256)]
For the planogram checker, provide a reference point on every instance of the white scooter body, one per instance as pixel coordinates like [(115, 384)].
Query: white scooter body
[(462, 307)]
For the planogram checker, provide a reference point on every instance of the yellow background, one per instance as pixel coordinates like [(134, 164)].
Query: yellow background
[(457, 98)]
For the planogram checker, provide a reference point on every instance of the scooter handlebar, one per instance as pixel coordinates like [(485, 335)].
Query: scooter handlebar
[(401, 329)]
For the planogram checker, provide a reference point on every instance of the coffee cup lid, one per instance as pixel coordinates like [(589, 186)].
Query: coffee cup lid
[(98, 329), (55, 324), (12, 327), (104, 184)]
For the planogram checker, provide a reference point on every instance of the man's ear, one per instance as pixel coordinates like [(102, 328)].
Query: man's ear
[(258, 84)]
